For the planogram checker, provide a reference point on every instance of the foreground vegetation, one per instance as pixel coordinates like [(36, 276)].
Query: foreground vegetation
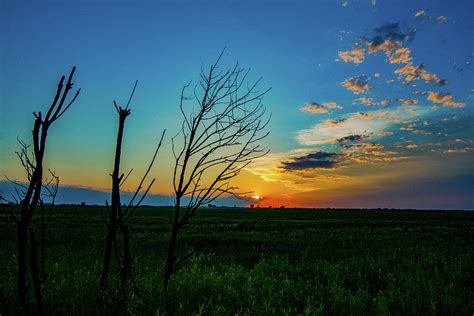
[(273, 262)]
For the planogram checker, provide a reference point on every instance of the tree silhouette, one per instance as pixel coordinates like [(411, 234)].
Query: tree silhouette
[(30, 195), (119, 217), (219, 137)]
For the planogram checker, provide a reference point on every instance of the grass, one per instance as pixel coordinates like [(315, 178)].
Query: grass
[(275, 261)]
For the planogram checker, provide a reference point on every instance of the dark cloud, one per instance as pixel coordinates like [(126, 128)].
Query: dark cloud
[(319, 159), (442, 82), (351, 139), (362, 146), (392, 32), (338, 121), (357, 84)]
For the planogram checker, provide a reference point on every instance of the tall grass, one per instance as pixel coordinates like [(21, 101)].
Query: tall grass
[(291, 262)]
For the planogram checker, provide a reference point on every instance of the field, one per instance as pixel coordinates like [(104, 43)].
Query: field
[(267, 261)]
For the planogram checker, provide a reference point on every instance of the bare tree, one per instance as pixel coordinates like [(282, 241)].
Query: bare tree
[(30, 195), (120, 217), (220, 135)]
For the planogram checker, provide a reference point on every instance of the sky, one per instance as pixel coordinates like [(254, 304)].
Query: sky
[(371, 100)]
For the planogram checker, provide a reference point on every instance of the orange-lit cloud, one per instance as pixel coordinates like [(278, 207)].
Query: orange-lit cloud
[(357, 85), (386, 46), (410, 72), (400, 56), (408, 101), (457, 151), (445, 99), (365, 115), (355, 55), (366, 101)]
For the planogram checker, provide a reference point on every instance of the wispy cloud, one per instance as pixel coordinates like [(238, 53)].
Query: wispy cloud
[(327, 132), (365, 115), (458, 151), (316, 108), (374, 124), (420, 13), (441, 19)]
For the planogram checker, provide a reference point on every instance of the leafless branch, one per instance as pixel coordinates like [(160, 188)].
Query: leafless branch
[(220, 136)]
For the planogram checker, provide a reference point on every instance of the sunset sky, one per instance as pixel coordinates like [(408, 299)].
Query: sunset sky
[(371, 100)]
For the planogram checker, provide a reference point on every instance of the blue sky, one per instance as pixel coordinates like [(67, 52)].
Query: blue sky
[(312, 53)]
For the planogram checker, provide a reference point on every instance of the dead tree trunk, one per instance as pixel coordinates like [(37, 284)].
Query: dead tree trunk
[(171, 257), (116, 206), (118, 221), (34, 168), (219, 137), (35, 273)]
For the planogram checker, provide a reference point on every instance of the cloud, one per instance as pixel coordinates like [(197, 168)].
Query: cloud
[(400, 56), (410, 146), (301, 169), (366, 101), (355, 55), (412, 73), (370, 101), (365, 115), (328, 132), (457, 151), (374, 156), (408, 101), (441, 19), (331, 105), (429, 77), (386, 46), (392, 32), (368, 146), (338, 121), (351, 138), (319, 159), (390, 40), (378, 125), (445, 99), (420, 13), (357, 84), (315, 108)]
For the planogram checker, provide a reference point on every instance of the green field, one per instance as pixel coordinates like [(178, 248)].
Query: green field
[(336, 262)]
